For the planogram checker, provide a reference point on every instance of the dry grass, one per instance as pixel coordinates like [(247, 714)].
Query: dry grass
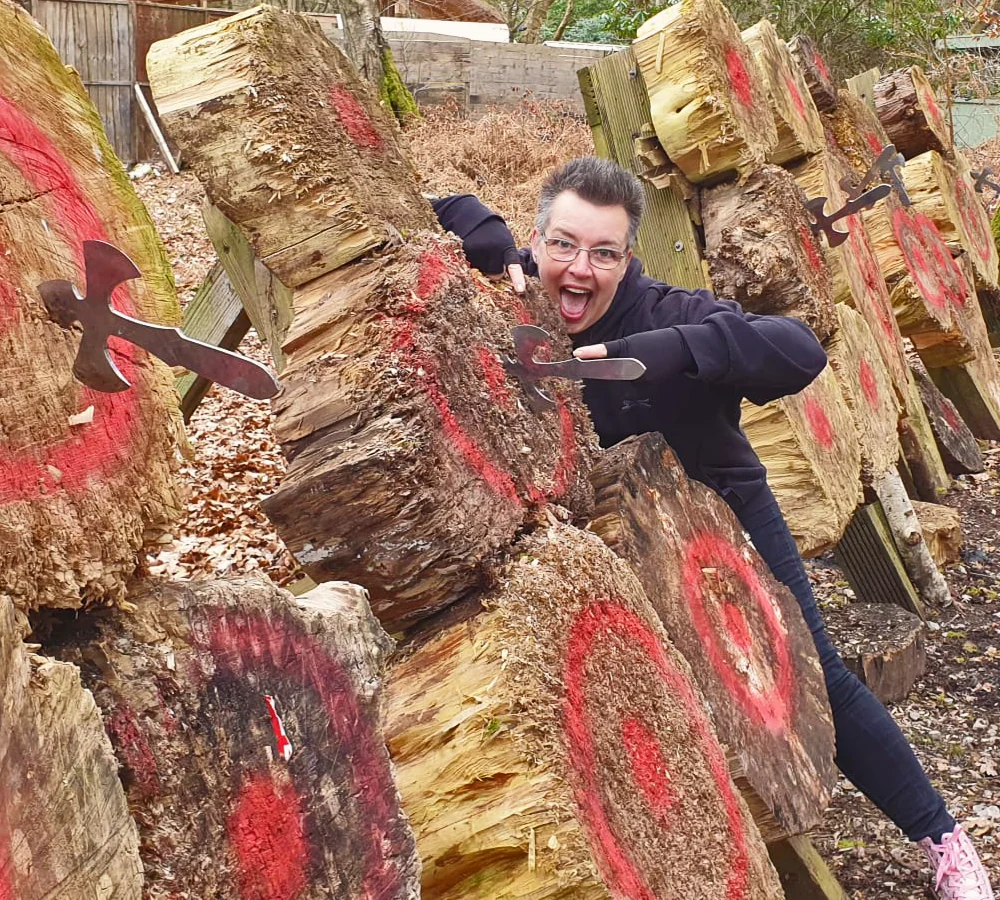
[(501, 157)]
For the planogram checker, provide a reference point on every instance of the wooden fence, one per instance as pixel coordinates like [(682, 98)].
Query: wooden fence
[(106, 41)]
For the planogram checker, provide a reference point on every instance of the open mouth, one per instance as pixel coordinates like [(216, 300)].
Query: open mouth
[(573, 303)]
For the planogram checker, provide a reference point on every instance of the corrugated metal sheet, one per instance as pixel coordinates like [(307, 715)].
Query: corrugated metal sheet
[(97, 38)]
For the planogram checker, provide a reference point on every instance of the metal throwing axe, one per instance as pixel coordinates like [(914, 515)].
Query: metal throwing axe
[(107, 267), (527, 370), (825, 222), (887, 165), (983, 180)]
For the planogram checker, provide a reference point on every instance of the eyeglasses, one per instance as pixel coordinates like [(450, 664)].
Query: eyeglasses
[(566, 251)]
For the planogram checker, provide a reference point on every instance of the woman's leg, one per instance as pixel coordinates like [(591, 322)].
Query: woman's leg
[(871, 750)]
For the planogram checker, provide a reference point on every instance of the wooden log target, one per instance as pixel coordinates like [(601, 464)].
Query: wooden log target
[(910, 112), (527, 770), (868, 390), (394, 369), (65, 828), (707, 95), (247, 728), (75, 499), (742, 633), (808, 444), (822, 87), (287, 140), (959, 449), (800, 129), (856, 132), (762, 252)]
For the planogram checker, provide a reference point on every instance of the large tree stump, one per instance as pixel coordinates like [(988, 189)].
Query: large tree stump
[(910, 113), (526, 769), (945, 194), (414, 456), (762, 252), (65, 828), (800, 129), (740, 630), (75, 499), (959, 450), (287, 140), (706, 93), (822, 87), (880, 643), (856, 131), (247, 726), (808, 444), (868, 390)]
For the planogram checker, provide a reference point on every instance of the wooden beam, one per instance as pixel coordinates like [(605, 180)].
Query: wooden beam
[(803, 872)]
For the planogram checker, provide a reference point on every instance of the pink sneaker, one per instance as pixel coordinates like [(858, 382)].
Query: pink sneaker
[(961, 875)]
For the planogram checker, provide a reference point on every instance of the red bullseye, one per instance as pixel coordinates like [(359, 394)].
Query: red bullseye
[(267, 836), (927, 259), (869, 386), (974, 222), (599, 624), (874, 142), (819, 423), (94, 449), (739, 77), (769, 706)]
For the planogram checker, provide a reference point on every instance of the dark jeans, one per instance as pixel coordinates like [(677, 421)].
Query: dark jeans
[(871, 750)]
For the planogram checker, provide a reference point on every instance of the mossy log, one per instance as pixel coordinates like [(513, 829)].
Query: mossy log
[(414, 456), (555, 745), (706, 93), (762, 252), (83, 474), (247, 726), (920, 449), (287, 140), (65, 828), (868, 390), (941, 527), (739, 629), (800, 129), (855, 131), (910, 113), (822, 87), (882, 644), (945, 194), (959, 449), (808, 444)]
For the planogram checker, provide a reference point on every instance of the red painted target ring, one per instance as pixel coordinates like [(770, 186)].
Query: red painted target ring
[(595, 629), (763, 687), (92, 449), (739, 78), (928, 260), (974, 221), (869, 385)]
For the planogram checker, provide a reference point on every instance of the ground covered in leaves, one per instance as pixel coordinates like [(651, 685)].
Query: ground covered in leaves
[(952, 715)]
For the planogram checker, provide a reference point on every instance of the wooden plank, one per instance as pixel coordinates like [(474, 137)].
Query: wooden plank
[(862, 85), (870, 561), (803, 872), (215, 316), (616, 94)]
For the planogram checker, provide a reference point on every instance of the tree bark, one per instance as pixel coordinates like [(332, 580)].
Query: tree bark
[(706, 92), (75, 499), (535, 20), (363, 39), (741, 632), (910, 113), (926, 576), (762, 253), (287, 141), (65, 828), (800, 130), (247, 727), (808, 444), (821, 85), (564, 21), (959, 450), (856, 131), (880, 643), (528, 768), (868, 390)]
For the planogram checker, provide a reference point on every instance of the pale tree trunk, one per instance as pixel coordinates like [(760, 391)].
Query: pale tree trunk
[(535, 20), (567, 16), (363, 38)]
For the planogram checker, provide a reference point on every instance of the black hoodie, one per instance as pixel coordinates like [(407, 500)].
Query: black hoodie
[(721, 355)]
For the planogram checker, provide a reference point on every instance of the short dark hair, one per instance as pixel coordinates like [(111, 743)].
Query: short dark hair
[(598, 181)]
